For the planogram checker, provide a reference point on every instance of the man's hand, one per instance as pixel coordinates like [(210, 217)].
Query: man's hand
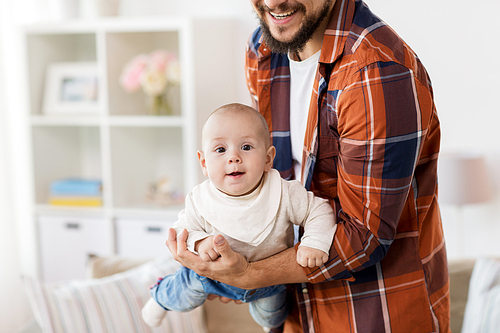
[(223, 299), (309, 257), (230, 267)]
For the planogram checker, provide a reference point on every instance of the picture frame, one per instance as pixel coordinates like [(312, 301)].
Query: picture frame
[(71, 88)]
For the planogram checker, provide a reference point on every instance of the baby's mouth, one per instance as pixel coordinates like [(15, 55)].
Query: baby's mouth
[(236, 173)]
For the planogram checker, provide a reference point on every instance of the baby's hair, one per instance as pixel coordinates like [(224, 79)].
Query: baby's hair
[(238, 108)]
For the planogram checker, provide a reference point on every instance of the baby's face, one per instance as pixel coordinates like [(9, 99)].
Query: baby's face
[(235, 153)]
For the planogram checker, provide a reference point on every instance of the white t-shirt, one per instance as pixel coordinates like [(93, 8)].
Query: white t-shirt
[(302, 74)]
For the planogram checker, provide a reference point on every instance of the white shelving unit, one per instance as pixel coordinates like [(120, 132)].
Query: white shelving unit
[(120, 143)]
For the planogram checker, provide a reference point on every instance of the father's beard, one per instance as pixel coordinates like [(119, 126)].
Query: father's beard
[(309, 25)]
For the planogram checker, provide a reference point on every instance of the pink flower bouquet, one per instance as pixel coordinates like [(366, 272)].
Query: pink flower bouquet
[(154, 73)]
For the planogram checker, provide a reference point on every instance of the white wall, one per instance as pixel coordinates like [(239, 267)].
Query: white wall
[(14, 307), (13, 312), (456, 41), (240, 8)]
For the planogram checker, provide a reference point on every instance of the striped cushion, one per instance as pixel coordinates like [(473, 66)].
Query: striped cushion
[(107, 305)]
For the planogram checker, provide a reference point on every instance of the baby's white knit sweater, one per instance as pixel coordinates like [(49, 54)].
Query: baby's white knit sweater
[(260, 224)]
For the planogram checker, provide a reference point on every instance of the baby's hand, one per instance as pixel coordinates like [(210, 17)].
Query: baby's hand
[(309, 257), (205, 249)]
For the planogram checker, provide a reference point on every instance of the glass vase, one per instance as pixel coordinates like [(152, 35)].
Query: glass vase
[(159, 105)]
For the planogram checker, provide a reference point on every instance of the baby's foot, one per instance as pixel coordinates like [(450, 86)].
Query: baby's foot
[(153, 313)]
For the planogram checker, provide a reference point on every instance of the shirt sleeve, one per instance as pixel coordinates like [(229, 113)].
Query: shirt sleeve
[(383, 120), (251, 65), (195, 224), (312, 213)]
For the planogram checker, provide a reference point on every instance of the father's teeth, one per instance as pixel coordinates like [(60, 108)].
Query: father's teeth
[(282, 15)]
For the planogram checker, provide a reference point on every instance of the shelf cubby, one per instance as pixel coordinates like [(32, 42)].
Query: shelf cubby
[(64, 152)]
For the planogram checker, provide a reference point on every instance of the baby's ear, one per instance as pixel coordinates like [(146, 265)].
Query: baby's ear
[(203, 164), (271, 153)]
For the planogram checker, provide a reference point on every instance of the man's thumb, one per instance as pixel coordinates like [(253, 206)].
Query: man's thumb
[(221, 244)]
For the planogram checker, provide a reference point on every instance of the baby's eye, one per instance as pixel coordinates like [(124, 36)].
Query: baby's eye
[(220, 150), (246, 147)]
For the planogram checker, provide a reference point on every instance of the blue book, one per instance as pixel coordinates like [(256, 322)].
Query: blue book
[(76, 186)]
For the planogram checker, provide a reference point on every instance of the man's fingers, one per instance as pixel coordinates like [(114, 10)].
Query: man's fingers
[(211, 297), (171, 241), (229, 300), (172, 235), (182, 241)]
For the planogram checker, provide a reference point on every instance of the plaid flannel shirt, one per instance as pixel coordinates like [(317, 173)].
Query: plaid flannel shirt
[(371, 148)]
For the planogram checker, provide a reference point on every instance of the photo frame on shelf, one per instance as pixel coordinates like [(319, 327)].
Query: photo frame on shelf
[(71, 88)]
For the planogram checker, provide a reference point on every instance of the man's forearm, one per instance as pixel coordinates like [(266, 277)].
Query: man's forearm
[(278, 269)]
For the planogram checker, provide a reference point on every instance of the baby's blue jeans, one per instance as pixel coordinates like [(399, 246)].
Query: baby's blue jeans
[(186, 290)]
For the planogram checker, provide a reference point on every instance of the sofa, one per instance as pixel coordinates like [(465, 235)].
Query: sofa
[(219, 317), (460, 273), (215, 316), (112, 296)]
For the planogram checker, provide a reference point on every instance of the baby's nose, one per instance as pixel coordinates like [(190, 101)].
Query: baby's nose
[(234, 159)]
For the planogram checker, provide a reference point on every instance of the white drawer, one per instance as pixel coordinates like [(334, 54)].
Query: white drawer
[(142, 238), (66, 242)]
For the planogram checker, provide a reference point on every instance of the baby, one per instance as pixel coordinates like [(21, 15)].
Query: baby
[(247, 202)]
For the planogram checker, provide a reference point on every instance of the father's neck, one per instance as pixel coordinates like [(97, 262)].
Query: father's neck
[(315, 43), (309, 50)]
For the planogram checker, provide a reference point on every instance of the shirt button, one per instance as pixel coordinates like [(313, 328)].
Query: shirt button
[(305, 291)]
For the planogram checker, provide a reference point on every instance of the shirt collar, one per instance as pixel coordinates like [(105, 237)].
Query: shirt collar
[(337, 31)]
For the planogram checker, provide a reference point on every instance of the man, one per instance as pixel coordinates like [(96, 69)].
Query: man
[(367, 139)]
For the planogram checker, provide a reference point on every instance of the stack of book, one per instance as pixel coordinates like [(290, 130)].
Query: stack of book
[(76, 192)]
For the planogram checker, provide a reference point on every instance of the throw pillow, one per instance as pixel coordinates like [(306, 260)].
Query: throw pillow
[(99, 267), (108, 305), (482, 311)]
